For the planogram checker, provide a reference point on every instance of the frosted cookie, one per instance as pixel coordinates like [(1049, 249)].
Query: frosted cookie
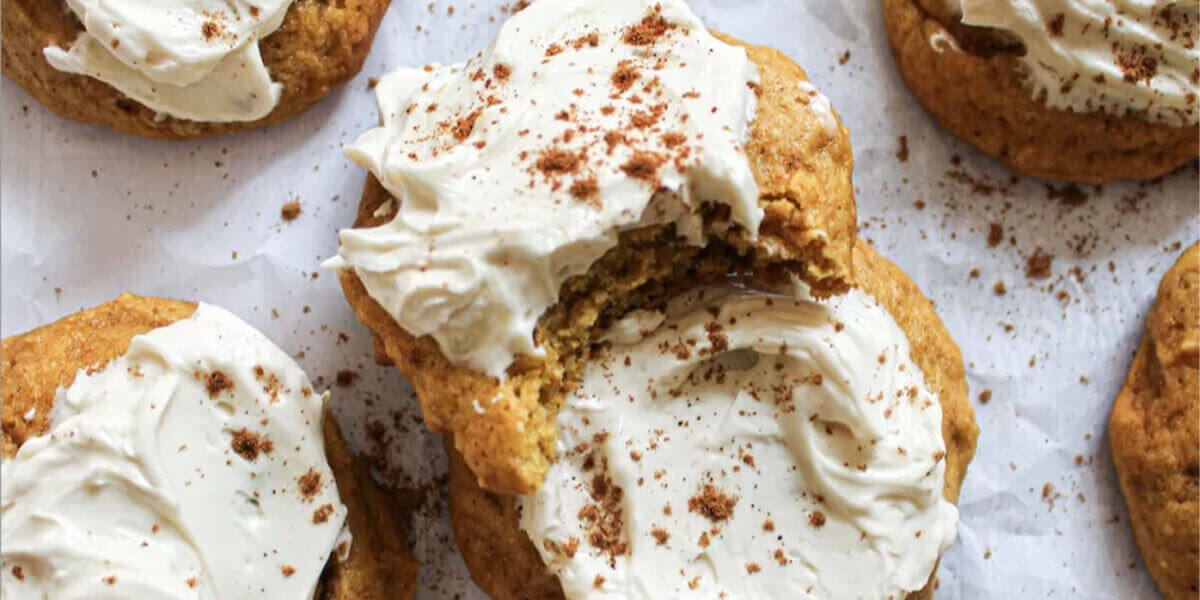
[(744, 444), (593, 159), (1154, 434), (155, 448), (184, 68), (1078, 90)]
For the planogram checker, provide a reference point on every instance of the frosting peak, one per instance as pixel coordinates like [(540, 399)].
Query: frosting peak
[(518, 169)]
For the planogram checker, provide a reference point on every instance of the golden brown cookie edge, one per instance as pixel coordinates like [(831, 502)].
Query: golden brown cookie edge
[(1154, 434)]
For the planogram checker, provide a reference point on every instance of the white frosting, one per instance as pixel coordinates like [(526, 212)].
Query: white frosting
[(1115, 56), (487, 230), (811, 415), (137, 490), (189, 59)]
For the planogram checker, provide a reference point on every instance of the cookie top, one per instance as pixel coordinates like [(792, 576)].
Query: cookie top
[(185, 68), (487, 525), (1154, 432), (197, 435)]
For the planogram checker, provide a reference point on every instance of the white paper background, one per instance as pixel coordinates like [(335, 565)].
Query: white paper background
[(87, 214)]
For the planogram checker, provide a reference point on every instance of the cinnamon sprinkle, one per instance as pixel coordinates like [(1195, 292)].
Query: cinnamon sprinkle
[(712, 503)]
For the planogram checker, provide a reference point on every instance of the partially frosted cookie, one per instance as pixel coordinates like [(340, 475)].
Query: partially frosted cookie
[(1154, 431), (185, 68), (595, 158), (1076, 90), (744, 443), (153, 448)]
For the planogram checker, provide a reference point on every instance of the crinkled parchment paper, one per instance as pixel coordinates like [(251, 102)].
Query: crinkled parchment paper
[(88, 214)]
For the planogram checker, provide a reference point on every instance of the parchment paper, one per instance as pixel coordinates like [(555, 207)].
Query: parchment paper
[(87, 214)]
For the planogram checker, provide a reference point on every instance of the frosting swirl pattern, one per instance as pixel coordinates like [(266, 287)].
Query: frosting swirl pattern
[(748, 444)]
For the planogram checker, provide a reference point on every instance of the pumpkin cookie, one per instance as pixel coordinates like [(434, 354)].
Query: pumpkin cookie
[(1154, 434), (169, 432), (1076, 95), (185, 68), (741, 448), (596, 159)]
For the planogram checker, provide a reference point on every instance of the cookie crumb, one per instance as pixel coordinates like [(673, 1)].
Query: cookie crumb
[(290, 211), (902, 152), (1037, 266)]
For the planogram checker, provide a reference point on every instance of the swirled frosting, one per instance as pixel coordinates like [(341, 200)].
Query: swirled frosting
[(749, 445), (518, 169), (192, 467), (189, 59), (1114, 56)]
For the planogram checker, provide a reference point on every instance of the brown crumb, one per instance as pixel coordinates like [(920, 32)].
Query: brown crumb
[(210, 29), (642, 165), (555, 161), (1068, 195), (288, 570), (753, 568), (248, 444), (985, 396), (1055, 25), (217, 382), (660, 535), (463, 128), (346, 377), (321, 515), (712, 503), (584, 189), (310, 484), (110, 580), (625, 75), (18, 572), (817, 519), (1037, 266), (902, 152), (289, 211), (999, 289), (995, 235), (652, 27), (768, 525)]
